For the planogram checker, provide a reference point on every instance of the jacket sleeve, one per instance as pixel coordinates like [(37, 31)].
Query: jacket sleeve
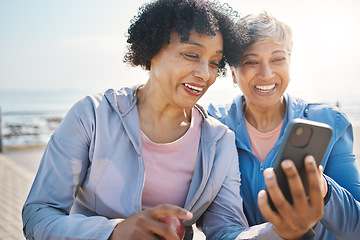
[(226, 210), (342, 159), (342, 211), (62, 170), (225, 218)]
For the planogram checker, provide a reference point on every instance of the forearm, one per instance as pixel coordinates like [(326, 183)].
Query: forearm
[(45, 222), (341, 212)]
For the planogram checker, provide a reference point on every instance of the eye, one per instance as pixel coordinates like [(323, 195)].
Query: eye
[(279, 59), (190, 56), (215, 64), (251, 63)]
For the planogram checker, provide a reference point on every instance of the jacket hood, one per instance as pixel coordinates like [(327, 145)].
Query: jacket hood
[(123, 101), (127, 96)]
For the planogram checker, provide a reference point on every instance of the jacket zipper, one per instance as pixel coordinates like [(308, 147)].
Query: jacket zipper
[(261, 166)]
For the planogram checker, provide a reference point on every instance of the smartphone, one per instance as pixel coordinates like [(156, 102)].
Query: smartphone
[(302, 138)]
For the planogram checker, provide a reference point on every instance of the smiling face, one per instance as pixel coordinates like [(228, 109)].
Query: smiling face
[(263, 74), (181, 72)]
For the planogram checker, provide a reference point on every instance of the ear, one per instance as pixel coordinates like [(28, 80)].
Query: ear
[(233, 74)]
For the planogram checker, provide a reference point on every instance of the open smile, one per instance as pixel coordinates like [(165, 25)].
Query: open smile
[(266, 89), (192, 89)]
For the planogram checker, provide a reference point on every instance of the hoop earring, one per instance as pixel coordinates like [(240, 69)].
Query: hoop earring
[(234, 85)]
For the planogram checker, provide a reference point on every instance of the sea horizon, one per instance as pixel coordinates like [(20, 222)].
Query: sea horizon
[(30, 116)]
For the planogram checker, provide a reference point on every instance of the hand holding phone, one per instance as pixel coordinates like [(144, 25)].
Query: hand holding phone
[(302, 138)]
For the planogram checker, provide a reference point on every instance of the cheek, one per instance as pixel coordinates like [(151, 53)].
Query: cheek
[(286, 76), (212, 81), (244, 80)]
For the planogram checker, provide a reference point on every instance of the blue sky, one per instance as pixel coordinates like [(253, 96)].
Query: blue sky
[(79, 44)]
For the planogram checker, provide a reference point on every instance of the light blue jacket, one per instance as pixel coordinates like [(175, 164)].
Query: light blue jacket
[(92, 175), (342, 209)]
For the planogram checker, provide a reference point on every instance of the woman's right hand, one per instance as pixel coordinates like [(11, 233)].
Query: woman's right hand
[(293, 221), (145, 224)]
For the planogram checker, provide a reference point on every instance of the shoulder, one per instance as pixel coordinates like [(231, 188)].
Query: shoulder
[(319, 112), (111, 98), (229, 114), (220, 111), (214, 130), (328, 114)]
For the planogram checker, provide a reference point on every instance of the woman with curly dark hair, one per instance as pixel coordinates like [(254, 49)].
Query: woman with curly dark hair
[(123, 160)]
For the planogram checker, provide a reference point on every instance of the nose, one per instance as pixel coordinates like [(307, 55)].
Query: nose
[(266, 72), (203, 71)]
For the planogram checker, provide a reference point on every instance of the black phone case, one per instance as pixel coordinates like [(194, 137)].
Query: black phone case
[(302, 138)]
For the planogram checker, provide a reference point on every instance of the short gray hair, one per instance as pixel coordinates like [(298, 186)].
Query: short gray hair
[(266, 28)]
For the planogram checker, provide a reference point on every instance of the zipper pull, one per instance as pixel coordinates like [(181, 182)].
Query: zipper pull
[(261, 167)]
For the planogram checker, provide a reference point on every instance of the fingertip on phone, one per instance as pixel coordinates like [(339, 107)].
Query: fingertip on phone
[(287, 164), (309, 159)]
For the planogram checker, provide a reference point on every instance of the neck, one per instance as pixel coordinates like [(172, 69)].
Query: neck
[(265, 120), (152, 104), (160, 121)]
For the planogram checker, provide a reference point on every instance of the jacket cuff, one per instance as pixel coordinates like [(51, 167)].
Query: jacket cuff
[(309, 235), (328, 194)]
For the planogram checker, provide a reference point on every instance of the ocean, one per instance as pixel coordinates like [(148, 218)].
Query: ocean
[(30, 117)]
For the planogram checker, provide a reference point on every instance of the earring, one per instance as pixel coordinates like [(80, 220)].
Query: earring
[(234, 85)]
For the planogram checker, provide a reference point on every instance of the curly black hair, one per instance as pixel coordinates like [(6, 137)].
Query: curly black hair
[(150, 30)]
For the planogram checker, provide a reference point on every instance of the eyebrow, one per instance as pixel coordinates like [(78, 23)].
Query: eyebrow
[(202, 46), (253, 54)]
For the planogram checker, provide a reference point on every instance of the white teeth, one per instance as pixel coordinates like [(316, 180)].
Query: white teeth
[(199, 89), (265, 88)]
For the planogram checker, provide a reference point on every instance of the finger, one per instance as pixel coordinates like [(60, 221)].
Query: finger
[(276, 195), (146, 235), (171, 211), (314, 182), (266, 210), (321, 169), (163, 230), (296, 186)]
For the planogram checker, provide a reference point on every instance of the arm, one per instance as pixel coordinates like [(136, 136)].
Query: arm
[(226, 211), (61, 172), (342, 160), (341, 212)]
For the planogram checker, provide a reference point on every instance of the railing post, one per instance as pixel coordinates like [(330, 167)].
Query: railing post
[(1, 137)]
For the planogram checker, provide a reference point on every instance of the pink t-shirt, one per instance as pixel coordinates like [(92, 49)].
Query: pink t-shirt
[(169, 167), (262, 143)]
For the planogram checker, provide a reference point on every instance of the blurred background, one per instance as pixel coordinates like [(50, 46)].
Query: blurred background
[(52, 53)]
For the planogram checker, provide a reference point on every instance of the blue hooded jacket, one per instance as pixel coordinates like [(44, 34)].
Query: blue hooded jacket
[(342, 209)]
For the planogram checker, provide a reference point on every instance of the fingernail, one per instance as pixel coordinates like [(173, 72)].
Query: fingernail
[(269, 173), (189, 214), (309, 159), (262, 197), (287, 164)]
